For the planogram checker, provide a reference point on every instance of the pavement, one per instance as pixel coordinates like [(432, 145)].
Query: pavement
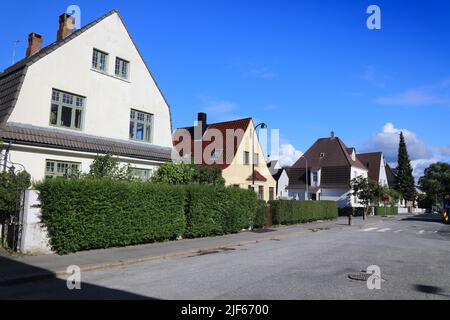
[(19, 269)]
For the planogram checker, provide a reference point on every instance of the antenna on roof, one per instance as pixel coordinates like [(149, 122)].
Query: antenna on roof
[(332, 134), (14, 51)]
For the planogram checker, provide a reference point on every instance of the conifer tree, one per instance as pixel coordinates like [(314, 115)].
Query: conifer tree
[(404, 182)]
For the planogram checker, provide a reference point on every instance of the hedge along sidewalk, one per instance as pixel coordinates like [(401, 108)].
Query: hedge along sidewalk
[(21, 269)]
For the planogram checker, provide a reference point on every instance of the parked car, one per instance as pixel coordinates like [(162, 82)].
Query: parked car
[(446, 211)]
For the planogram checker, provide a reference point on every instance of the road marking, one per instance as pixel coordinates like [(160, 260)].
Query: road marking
[(369, 229), (384, 230), (421, 232), (397, 231)]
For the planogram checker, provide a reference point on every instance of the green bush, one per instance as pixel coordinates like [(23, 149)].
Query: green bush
[(293, 211), (215, 211), (11, 186), (381, 211), (91, 213), (260, 220)]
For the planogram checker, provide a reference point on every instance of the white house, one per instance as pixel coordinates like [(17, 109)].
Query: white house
[(376, 166), (280, 175), (326, 168), (89, 92)]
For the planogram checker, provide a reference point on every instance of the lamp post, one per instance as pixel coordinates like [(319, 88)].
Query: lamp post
[(306, 175), (263, 126)]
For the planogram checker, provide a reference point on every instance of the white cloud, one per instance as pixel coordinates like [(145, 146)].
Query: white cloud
[(371, 75), (420, 154), (387, 141), (217, 106), (264, 73), (287, 155), (435, 94)]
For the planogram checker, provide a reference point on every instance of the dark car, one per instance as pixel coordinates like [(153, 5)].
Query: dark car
[(446, 211)]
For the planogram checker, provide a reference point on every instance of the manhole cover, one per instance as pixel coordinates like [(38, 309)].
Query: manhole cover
[(360, 276)]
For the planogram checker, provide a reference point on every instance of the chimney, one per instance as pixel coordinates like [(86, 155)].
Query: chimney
[(202, 121), (332, 134), (34, 44), (66, 26)]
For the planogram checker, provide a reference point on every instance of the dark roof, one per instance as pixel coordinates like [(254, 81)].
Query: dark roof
[(208, 138), (278, 174), (12, 78), (258, 177), (331, 177), (372, 162), (62, 139), (335, 154), (390, 174)]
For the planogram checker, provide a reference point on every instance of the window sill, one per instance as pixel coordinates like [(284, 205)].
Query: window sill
[(111, 76)]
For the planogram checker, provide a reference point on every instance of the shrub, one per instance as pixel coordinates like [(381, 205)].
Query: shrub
[(207, 175), (381, 211), (292, 211), (11, 186), (260, 220), (92, 213), (215, 211), (173, 173)]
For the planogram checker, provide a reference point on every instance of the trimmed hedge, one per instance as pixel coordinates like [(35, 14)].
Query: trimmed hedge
[(215, 211), (260, 220), (292, 211), (381, 211), (355, 211), (90, 213)]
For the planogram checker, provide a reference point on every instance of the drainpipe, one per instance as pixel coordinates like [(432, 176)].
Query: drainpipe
[(5, 160)]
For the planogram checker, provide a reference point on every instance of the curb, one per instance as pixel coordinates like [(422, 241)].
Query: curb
[(53, 274)]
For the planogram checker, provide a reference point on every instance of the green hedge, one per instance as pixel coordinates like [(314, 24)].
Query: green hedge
[(293, 211), (381, 211), (355, 211), (260, 220), (92, 213), (88, 214), (215, 211)]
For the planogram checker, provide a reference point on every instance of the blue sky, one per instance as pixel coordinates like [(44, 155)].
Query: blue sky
[(304, 67)]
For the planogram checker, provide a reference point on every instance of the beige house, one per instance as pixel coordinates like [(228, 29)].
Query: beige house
[(228, 146)]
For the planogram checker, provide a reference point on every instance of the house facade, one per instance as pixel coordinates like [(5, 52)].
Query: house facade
[(88, 93), (228, 146), (326, 168), (376, 166), (281, 177)]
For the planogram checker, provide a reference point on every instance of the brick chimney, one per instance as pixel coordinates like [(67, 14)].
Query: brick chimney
[(201, 118), (66, 26), (34, 44)]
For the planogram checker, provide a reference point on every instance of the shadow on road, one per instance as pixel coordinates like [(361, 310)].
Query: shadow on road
[(431, 290), (22, 281), (428, 217)]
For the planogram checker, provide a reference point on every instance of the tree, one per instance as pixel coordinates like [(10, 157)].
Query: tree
[(435, 183), (207, 175), (365, 191), (404, 180), (108, 167), (173, 173)]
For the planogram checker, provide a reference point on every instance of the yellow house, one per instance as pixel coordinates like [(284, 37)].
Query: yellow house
[(228, 146)]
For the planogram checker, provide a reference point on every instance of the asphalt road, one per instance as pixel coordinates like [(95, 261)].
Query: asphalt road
[(413, 256)]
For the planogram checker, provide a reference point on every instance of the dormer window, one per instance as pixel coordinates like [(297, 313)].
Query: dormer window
[(322, 155)]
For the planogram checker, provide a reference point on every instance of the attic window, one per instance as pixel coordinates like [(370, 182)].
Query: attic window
[(322, 154)]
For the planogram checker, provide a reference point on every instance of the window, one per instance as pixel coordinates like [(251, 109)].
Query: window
[(61, 169), (322, 155), (315, 177), (141, 124), (121, 69), (99, 60), (261, 192), (246, 157), (255, 158), (271, 193), (216, 154), (66, 110), (142, 174)]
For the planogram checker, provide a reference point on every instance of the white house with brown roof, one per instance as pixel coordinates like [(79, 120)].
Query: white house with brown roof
[(89, 92), (376, 166), (326, 168), (228, 146)]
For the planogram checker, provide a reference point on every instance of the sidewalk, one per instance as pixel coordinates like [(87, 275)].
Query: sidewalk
[(21, 269)]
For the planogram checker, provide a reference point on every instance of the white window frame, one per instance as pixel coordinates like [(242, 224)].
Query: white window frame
[(96, 61)]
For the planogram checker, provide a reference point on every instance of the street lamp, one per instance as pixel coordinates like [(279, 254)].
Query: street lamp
[(306, 174), (263, 126)]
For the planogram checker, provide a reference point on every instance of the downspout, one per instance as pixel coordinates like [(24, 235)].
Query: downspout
[(5, 160)]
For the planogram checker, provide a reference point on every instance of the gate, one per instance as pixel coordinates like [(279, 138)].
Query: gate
[(11, 218)]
